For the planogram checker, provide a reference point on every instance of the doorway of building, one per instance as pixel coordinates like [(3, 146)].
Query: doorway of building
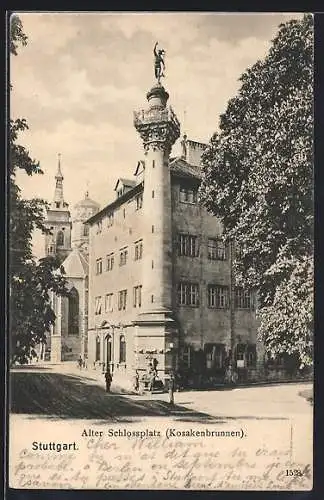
[(109, 362)]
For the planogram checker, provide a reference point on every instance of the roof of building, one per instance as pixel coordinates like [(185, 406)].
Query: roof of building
[(178, 168), (76, 265), (87, 202), (181, 168), (126, 182), (140, 167), (117, 202)]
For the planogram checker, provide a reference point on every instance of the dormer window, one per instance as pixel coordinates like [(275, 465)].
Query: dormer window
[(123, 186)]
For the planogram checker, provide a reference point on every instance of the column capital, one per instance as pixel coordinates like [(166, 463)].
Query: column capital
[(159, 128)]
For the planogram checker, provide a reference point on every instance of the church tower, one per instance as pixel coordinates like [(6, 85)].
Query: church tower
[(58, 221)]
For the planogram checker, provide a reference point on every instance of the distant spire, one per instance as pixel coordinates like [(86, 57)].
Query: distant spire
[(58, 194), (59, 172)]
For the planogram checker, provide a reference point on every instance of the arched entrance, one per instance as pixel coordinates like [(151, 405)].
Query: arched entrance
[(108, 348)]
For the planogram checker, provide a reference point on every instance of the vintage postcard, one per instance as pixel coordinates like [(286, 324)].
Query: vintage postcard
[(161, 251)]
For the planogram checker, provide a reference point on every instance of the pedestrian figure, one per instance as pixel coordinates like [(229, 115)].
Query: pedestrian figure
[(80, 362), (152, 380), (151, 377), (136, 385), (108, 379), (171, 389)]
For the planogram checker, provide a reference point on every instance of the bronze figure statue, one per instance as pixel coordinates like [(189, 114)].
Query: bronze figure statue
[(159, 64)]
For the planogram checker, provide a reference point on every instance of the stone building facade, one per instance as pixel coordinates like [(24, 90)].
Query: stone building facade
[(161, 286)]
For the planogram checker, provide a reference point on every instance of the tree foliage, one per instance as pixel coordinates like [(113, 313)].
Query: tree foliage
[(258, 179), (30, 282)]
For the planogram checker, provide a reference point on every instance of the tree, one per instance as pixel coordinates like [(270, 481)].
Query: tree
[(258, 178), (30, 282)]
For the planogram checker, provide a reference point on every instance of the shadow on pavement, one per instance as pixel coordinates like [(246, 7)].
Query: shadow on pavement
[(54, 395), (34, 368)]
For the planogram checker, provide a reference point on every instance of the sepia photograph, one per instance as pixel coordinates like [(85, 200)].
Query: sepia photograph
[(160, 236)]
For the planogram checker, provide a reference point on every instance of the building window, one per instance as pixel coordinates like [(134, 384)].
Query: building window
[(215, 356), (85, 230), (110, 262), (99, 227), (240, 355), (153, 193), (216, 249), (188, 294), (243, 298), (110, 219), (109, 302), (138, 250), (73, 319), (122, 349), (139, 201), (152, 229), (123, 257), (188, 195), (122, 299), (218, 296), (98, 305), (99, 266), (137, 296), (60, 239), (98, 348), (186, 356), (188, 245), (251, 356)]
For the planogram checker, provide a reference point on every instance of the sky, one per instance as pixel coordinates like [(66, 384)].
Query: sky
[(81, 76)]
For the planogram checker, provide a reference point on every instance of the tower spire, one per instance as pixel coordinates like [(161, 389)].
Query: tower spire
[(58, 193), (59, 172)]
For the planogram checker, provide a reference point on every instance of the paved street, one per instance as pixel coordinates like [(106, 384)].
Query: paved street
[(59, 403), (53, 392)]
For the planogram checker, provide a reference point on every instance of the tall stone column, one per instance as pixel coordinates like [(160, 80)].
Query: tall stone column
[(159, 128)]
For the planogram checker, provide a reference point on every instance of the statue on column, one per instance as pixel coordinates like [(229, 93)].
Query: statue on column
[(159, 64)]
